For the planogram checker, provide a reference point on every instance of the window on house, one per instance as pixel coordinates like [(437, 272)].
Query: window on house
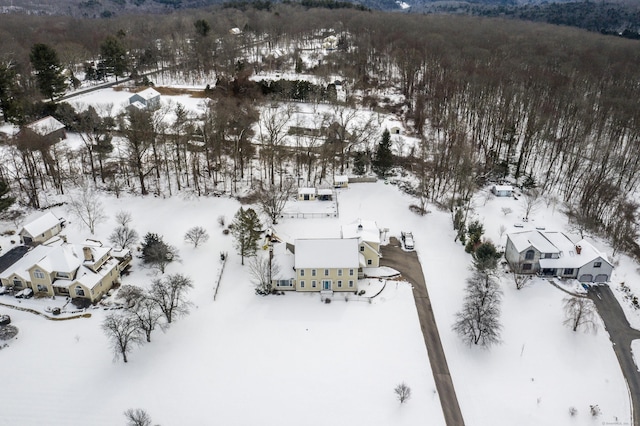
[(41, 287), (62, 275), (369, 262), (568, 271), (526, 267), (79, 291), (302, 272), (339, 283), (17, 282), (302, 284), (361, 248), (547, 256), (350, 272), (350, 283), (339, 272), (38, 274), (326, 272), (597, 264), (313, 272), (313, 283), (529, 254)]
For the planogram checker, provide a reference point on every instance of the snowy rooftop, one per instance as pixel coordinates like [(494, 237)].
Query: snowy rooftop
[(571, 259), (63, 258), (148, 94), (306, 190), (46, 125), (28, 260), (503, 187), (325, 191), (366, 229), (536, 239), (327, 253), (341, 178), (57, 258), (42, 224)]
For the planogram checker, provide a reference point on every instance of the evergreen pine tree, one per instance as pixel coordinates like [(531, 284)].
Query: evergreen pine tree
[(5, 200), (48, 70), (383, 159), (246, 231)]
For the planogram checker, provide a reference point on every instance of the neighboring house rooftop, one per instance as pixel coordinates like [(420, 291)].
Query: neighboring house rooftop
[(306, 190), (41, 224), (367, 230), (571, 255), (341, 178), (45, 126), (61, 257), (22, 266), (148, 93), (578, 255), (327, 253), (524, 239), (502, 188)]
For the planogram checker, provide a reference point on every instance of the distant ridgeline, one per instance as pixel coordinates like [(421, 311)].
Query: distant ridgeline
[(267, 4), (612, 18)]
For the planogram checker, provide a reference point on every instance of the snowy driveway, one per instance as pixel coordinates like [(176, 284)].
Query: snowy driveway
[(621, 335), (409, 266)]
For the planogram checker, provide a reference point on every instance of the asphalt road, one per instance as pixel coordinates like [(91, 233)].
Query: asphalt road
[(621, 335), (408, 265)]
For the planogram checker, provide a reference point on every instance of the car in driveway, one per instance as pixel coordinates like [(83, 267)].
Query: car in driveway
[(407, 240), (24, 294)]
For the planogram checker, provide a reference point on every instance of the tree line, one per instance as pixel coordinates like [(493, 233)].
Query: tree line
[(552, 107)]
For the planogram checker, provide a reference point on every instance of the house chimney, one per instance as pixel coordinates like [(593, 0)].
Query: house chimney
[(88, 256), (578, 249)]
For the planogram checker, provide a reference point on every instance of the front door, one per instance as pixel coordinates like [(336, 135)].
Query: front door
[(326, 284)]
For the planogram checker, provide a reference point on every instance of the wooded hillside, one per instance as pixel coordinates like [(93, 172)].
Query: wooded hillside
[(548, 107)]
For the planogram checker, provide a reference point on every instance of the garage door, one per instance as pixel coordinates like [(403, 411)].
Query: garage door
[(602, 278), (586, 278)]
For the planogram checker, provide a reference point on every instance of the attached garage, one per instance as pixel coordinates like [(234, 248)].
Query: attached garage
[(602, 278), (586, 278)]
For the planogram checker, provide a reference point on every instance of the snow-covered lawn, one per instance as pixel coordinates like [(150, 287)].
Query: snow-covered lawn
[(292, 360)]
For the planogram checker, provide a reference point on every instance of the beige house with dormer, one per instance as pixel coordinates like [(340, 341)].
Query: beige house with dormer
[(367, 233), (85, 271)]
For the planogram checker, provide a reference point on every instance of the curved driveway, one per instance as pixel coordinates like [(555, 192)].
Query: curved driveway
[(621, 335), (408, 265)]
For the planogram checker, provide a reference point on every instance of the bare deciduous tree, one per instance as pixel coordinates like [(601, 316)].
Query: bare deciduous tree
[(403, 392), (170, 295), (147, 315), (262, 270), (519, 278), (137, 417), (123, 333), (196, 235), (87, 208), (123, 218), (580, 312), (130, 294), (272, 199), (123, 237), (530, 202), (479, 320)]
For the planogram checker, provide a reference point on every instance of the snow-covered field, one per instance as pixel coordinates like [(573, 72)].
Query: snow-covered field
[(292, 360)]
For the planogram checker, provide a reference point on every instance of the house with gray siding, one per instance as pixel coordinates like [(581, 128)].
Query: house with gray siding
[(551, 253)]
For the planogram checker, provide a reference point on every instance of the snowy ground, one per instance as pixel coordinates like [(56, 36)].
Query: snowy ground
[(340, 361), (293, 360)]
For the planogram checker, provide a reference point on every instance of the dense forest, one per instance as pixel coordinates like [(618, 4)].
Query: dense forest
[(554, 109)]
